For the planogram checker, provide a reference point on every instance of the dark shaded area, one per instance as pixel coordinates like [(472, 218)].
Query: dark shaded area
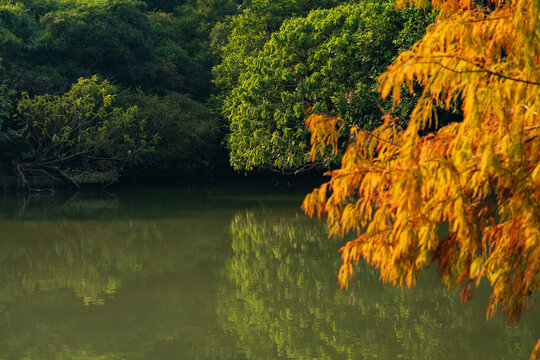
[(158, 57)]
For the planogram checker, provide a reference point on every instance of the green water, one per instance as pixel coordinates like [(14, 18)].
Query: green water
[(216, 273)]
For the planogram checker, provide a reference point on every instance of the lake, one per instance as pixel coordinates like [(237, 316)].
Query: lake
[(222, 272)]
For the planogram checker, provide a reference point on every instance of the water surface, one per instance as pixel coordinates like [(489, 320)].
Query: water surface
[(216, 273)]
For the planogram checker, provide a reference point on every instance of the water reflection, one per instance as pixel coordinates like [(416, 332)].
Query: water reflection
[(101, 279), (279, 297), (214, 273)]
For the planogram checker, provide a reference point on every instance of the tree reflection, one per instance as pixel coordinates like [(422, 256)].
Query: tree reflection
[(117, 288), (280, 297), (83, 256), (75, 283)]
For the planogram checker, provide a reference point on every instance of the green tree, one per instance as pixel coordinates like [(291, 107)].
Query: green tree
[(6, 110), (189, 135), (166, 6), (107, 37), (17, 29), (251, 29), (182, 56), (46, 45), (327, 62), (81, 128), (20, 51)]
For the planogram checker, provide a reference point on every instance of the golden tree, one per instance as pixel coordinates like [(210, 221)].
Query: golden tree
[(477, 181)]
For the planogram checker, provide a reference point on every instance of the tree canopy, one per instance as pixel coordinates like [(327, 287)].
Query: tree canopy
[(251, 29), (80, 126), (159, 50), (188, 135), (326, 62), (480, 177)]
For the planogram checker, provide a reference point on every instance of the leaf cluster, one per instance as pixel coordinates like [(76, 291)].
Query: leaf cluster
[(477, 181), (155, 48), (80, 125), (188, 134), (250, 30), (327, 62)]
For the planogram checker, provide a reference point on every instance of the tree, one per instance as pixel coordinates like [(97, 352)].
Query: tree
[(189, 135), (19, 50), (251, 29), (181, 46), (45, 46), (80, 126), (327, 62), (107, 37), (480, 178)]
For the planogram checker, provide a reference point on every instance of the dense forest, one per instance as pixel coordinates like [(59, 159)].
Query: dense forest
[(93, 91)]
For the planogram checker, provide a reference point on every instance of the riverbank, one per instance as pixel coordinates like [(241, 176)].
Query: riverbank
[(13, 184)]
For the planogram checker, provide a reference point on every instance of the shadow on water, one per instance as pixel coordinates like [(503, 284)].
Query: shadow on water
[(218, 272), (148, 203)]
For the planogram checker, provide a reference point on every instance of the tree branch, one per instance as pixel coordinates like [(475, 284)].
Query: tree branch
[(481, 69)]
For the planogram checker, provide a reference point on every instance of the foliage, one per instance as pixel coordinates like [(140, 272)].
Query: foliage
[(48, 45), (17, 27), (107, 37), (93, 177), (45, 46), (6, 104), (80, 126), (170, 56), (480, 177), (19, 49), (189, 135), (212, 12), (251, 29), (6, 109), (166, 6), (182, 50), (327, 62)]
